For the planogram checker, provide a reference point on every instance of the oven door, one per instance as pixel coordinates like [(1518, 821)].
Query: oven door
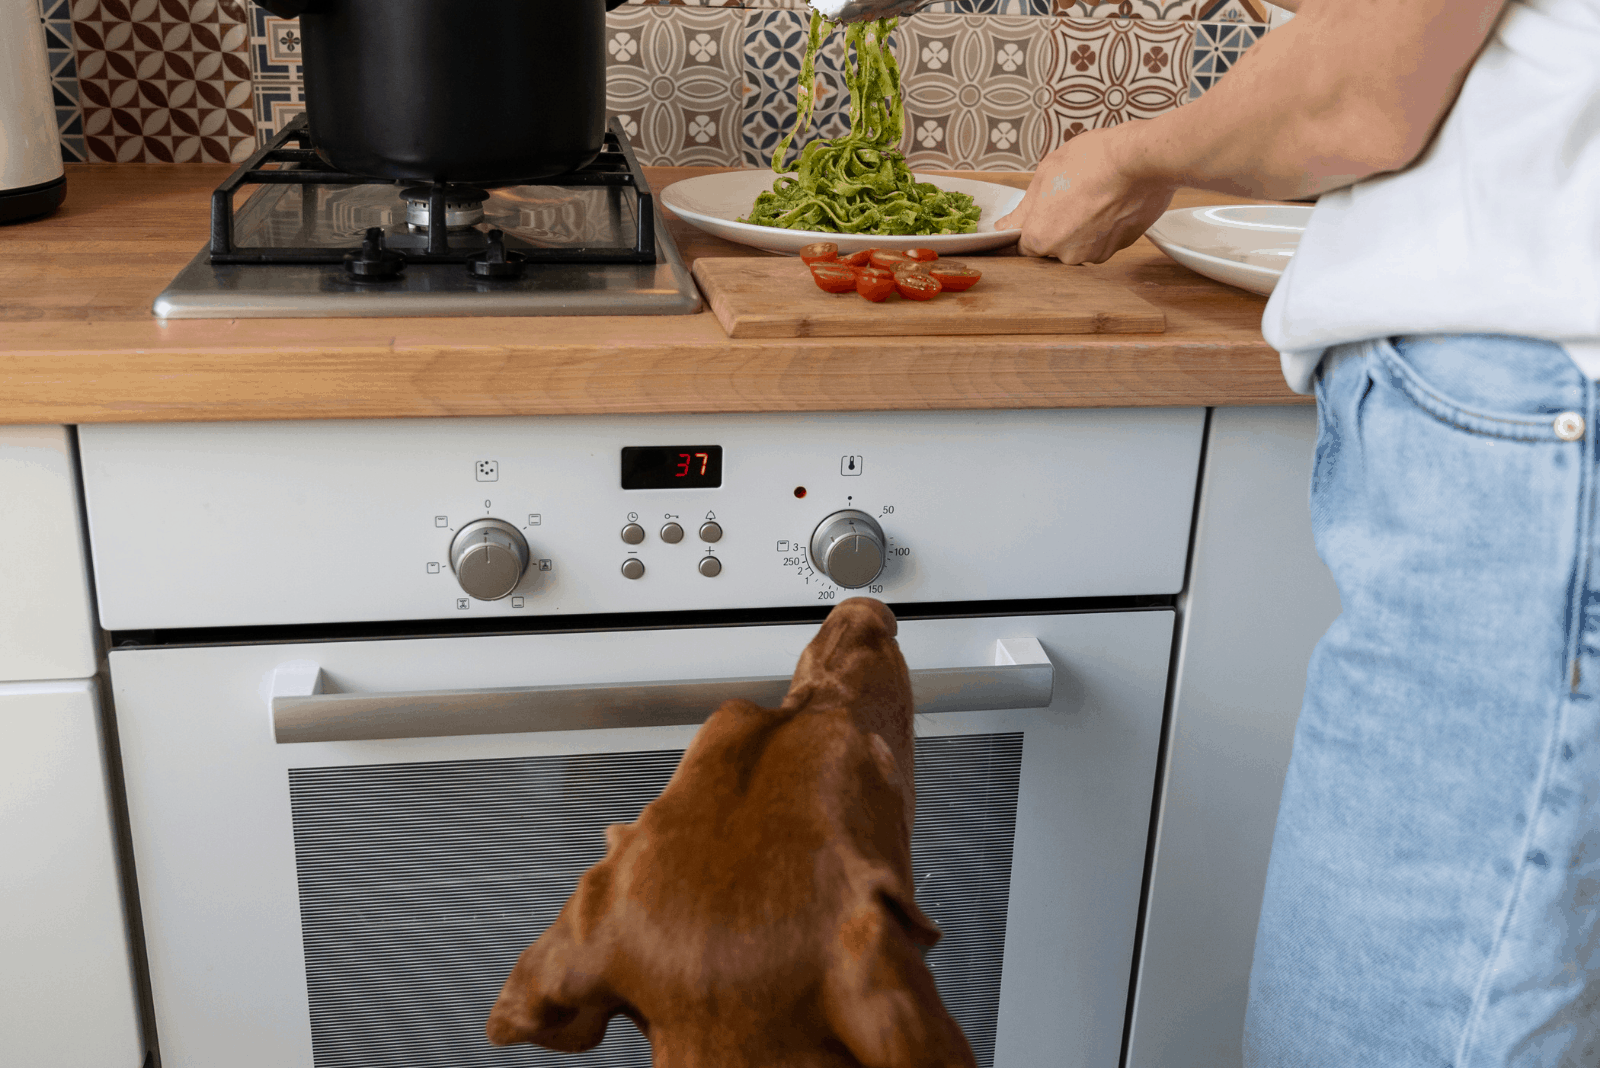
[(329, 903)]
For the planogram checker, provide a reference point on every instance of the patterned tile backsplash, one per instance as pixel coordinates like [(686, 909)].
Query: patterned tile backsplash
[(989, 84)]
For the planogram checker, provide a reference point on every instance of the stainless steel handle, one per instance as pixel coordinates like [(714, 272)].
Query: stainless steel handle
[(1021, 677)]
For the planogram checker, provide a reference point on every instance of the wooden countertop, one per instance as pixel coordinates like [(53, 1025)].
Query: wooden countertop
[(78, 343)]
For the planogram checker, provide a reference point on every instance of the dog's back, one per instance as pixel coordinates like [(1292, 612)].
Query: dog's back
[(761, 910)]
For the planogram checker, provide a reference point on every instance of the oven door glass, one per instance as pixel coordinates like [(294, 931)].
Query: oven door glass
[(332, 903)]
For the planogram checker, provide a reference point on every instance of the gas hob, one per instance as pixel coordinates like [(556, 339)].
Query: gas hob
[(316, 243)]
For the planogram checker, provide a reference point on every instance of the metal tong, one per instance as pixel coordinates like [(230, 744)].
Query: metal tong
[(868, 10)]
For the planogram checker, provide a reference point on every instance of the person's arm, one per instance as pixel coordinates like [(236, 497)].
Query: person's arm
[(1346, 89)]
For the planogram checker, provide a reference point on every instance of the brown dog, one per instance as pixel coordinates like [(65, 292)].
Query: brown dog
[(760, 914)]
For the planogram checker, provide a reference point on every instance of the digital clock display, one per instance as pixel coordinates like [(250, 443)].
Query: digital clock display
[(671, 466)]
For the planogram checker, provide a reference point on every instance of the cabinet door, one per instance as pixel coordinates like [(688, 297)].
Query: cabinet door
[(45, 623), (66, 984)]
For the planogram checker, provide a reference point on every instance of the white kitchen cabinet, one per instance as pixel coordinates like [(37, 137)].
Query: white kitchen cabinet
[(46, 626), (1258, 599), (66, 985)]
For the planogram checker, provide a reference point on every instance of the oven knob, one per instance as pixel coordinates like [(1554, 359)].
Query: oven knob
[(489, 557), (848, 548)]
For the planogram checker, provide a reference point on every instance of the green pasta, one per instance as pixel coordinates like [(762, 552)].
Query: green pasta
[(858, 183)]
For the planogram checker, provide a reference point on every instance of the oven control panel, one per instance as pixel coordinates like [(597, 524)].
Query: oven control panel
[(200, 525)]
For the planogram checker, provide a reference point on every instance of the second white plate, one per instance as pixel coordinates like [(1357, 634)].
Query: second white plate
[(1244, 245), (715, 202)]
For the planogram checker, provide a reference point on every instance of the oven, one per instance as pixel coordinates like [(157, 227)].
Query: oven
[(381, 685)]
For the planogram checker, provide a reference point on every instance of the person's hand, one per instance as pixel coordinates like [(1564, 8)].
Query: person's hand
[(1084, 204)]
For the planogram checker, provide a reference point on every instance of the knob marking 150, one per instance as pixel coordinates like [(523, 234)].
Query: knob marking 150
[(489, 557), (848, 547)]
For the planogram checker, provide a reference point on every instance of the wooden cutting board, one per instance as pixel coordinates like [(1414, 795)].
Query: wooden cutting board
[(771, 297)]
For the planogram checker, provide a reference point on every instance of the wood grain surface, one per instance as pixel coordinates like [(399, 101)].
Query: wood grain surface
[(78, 343), (1017, 295)]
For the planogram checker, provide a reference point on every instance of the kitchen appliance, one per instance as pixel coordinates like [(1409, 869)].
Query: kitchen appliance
[(32, 180), (380, 686), (496, 92), (318, 242)]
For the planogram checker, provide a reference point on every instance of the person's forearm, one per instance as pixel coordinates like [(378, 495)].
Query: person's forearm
[(1323, 101)]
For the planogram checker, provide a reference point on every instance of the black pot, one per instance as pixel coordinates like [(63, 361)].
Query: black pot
[(478, 91)]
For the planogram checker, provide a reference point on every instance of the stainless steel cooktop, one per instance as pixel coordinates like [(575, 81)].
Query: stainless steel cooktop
[(307, 214)]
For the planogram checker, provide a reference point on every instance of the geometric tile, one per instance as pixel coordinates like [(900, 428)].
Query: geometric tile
[(675, 80), (975, 90), (275, 61), (1161, 10), (1232, 11), (57, 18), (1217, 47), (1107, 71), (774, 45), (164, 80)]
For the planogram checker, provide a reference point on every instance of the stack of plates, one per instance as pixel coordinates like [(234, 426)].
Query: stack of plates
[(1244, 245)]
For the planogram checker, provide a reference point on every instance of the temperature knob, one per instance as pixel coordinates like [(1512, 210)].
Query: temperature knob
[(489, 557), (848, 548)]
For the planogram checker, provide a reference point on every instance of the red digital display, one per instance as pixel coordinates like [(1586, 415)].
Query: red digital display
[(671, 466)]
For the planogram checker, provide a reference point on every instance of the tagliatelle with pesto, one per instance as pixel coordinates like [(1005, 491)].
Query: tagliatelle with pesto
[(858, 183)]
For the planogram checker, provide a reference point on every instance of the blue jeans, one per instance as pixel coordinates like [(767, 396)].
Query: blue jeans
[(1435, 876)]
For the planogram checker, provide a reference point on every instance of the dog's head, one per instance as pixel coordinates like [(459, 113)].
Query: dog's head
[(760, 912)]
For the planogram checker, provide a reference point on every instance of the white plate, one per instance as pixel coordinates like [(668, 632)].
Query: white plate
[(1244, 245), (715, 202)]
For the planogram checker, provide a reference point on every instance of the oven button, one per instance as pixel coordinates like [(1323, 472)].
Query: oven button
[(672, 533), (848, 548), (710, 531), (710, 566), (633, 567), (489, 557), (633, 533)]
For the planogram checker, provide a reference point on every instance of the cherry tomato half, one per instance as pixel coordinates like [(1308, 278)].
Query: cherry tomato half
[(858, 259), (888, 257), (954, 276), (910, 267), (874, 284), (819, 252), (923, 254), (914, 285), (833, 277)]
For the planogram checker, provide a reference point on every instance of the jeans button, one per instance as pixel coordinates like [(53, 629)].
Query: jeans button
[(1569, 426)]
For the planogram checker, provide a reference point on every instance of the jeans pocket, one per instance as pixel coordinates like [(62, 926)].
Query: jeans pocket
[(1546, 404)]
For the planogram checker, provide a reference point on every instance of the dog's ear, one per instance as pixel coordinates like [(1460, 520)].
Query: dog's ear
[(557, 995), (879, 996)]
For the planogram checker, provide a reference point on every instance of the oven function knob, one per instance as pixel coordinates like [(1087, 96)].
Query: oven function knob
[(848, 548), (489, 557)]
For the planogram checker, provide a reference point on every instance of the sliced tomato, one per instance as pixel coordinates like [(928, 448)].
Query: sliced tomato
[(954, 276), (819, 252), (833, 277), (914, 285), (874, 283), (910, 267), (858, 259), (923, 254), (888, 257)]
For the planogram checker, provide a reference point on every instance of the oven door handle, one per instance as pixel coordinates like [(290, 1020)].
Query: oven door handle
[(1020, 677)]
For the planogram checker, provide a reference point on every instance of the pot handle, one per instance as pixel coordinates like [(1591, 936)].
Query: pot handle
[(289, 9)]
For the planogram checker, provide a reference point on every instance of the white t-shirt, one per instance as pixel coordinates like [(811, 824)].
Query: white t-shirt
[(1495, 229)]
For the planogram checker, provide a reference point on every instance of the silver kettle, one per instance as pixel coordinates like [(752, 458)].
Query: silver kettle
[(32, 180)]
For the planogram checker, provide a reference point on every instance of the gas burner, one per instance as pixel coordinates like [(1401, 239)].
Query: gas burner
[(463, 206)]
